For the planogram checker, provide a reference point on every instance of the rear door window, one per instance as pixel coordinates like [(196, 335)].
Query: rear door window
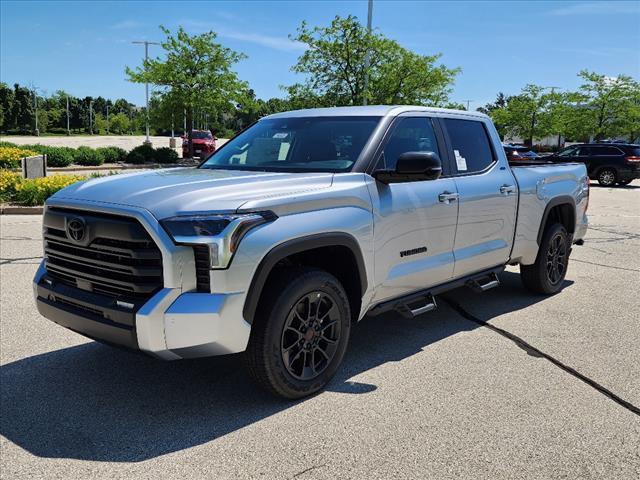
[(606, 151), (471, 145)]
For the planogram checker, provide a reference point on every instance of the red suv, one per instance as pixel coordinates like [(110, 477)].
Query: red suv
[(204, 144)]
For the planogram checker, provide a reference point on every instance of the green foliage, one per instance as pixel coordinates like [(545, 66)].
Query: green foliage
[(88, 157), (58, 156), (609, 105), (141, 154), (335, 68), (113, 154), (166, 155), (195, 70)]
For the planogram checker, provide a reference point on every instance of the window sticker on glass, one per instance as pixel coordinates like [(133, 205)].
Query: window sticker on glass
[(281, 135), (461, 162)]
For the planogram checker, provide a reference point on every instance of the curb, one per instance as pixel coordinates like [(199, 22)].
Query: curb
[(14, 210), (120, 166)]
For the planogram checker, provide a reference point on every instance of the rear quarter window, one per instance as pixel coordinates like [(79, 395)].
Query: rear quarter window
[(470, 143)]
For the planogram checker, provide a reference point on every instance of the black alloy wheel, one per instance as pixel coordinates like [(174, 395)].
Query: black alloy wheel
[(310, 336), (557, 259)]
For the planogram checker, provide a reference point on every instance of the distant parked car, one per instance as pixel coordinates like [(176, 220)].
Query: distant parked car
[(204, 144), (519, 153), (608, 163)]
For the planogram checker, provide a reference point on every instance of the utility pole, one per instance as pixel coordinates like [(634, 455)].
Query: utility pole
[(367, 57), (107, 119), (146, 85), (468, 103), (68, 130)]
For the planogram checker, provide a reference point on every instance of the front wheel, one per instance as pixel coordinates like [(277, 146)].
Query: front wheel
[(300, 334), (607, 177), (547, 274)]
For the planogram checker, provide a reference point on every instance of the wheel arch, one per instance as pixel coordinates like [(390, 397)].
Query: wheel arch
[(339, 243), (562, 209)]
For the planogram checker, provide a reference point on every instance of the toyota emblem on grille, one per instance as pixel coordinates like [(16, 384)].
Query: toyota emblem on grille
[(76, 229)]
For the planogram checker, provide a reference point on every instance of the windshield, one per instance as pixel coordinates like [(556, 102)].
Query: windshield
[(316, 144), (201, 135)]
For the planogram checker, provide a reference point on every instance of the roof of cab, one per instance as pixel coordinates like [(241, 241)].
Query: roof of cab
[(368, 111)]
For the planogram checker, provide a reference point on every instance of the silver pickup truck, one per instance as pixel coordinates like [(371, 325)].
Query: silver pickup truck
[(301, 225)]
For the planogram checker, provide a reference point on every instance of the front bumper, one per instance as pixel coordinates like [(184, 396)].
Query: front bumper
[(170, 325)]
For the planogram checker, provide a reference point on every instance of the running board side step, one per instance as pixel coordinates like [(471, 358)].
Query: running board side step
[(417, 307), (423, 301), (485, 283)]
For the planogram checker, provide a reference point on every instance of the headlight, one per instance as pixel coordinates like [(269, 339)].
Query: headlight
[(220, 232)]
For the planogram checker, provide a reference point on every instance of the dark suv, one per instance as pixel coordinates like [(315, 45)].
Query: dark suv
[(609, 163)]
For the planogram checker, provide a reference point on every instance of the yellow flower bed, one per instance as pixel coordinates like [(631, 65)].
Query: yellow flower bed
[(32, 191), (10, 156)]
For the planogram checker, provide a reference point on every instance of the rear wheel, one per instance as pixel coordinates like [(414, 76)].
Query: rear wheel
[(607, 177), (300, 334), (547, 274)]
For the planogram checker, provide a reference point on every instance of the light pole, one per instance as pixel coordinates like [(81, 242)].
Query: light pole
[(107, 119), (553, 90), (35, 99), (68, 131), (90, 117), (367, 57), (146, 85)]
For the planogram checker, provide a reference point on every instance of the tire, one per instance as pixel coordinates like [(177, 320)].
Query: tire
[(625, 182), (607, 177), (546, 275), (300, 333)]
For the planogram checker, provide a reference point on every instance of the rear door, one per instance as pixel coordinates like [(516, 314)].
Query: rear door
[(488, 197), (414, 222)]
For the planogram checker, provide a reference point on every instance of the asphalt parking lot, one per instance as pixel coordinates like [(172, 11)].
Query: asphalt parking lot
[(497, 385)]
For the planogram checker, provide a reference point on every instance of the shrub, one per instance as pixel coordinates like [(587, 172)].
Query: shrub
[(8, 144), (8, 183), (34, 191), (88, 157), (141, 154), (10, 156), (113, 154), (166, 155), (58, 156)]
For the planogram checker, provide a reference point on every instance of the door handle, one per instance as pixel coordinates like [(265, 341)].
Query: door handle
[(507, 189), (448, 197)]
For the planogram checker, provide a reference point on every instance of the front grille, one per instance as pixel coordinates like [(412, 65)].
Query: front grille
[(119, 258)]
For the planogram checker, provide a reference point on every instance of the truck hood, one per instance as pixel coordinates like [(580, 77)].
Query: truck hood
[(179, 191)]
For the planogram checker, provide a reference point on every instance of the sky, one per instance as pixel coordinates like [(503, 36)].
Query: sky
[(83, 47)]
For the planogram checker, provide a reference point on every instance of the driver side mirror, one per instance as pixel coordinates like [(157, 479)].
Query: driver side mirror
[(412, 167)]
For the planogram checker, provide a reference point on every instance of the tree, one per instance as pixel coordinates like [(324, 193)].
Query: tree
[(335, 67), (499, 104), (119, 123), (24, 112), (196, 70), (609, 101), (525, 115), (7, 106)]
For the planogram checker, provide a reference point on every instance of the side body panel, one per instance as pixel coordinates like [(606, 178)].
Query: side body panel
[(539, 186)]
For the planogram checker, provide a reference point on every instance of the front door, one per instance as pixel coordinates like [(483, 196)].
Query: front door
[(414, 222), (488, 198)]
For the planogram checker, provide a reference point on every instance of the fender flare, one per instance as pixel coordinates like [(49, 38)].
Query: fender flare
[(291, 247), (554, 202)]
